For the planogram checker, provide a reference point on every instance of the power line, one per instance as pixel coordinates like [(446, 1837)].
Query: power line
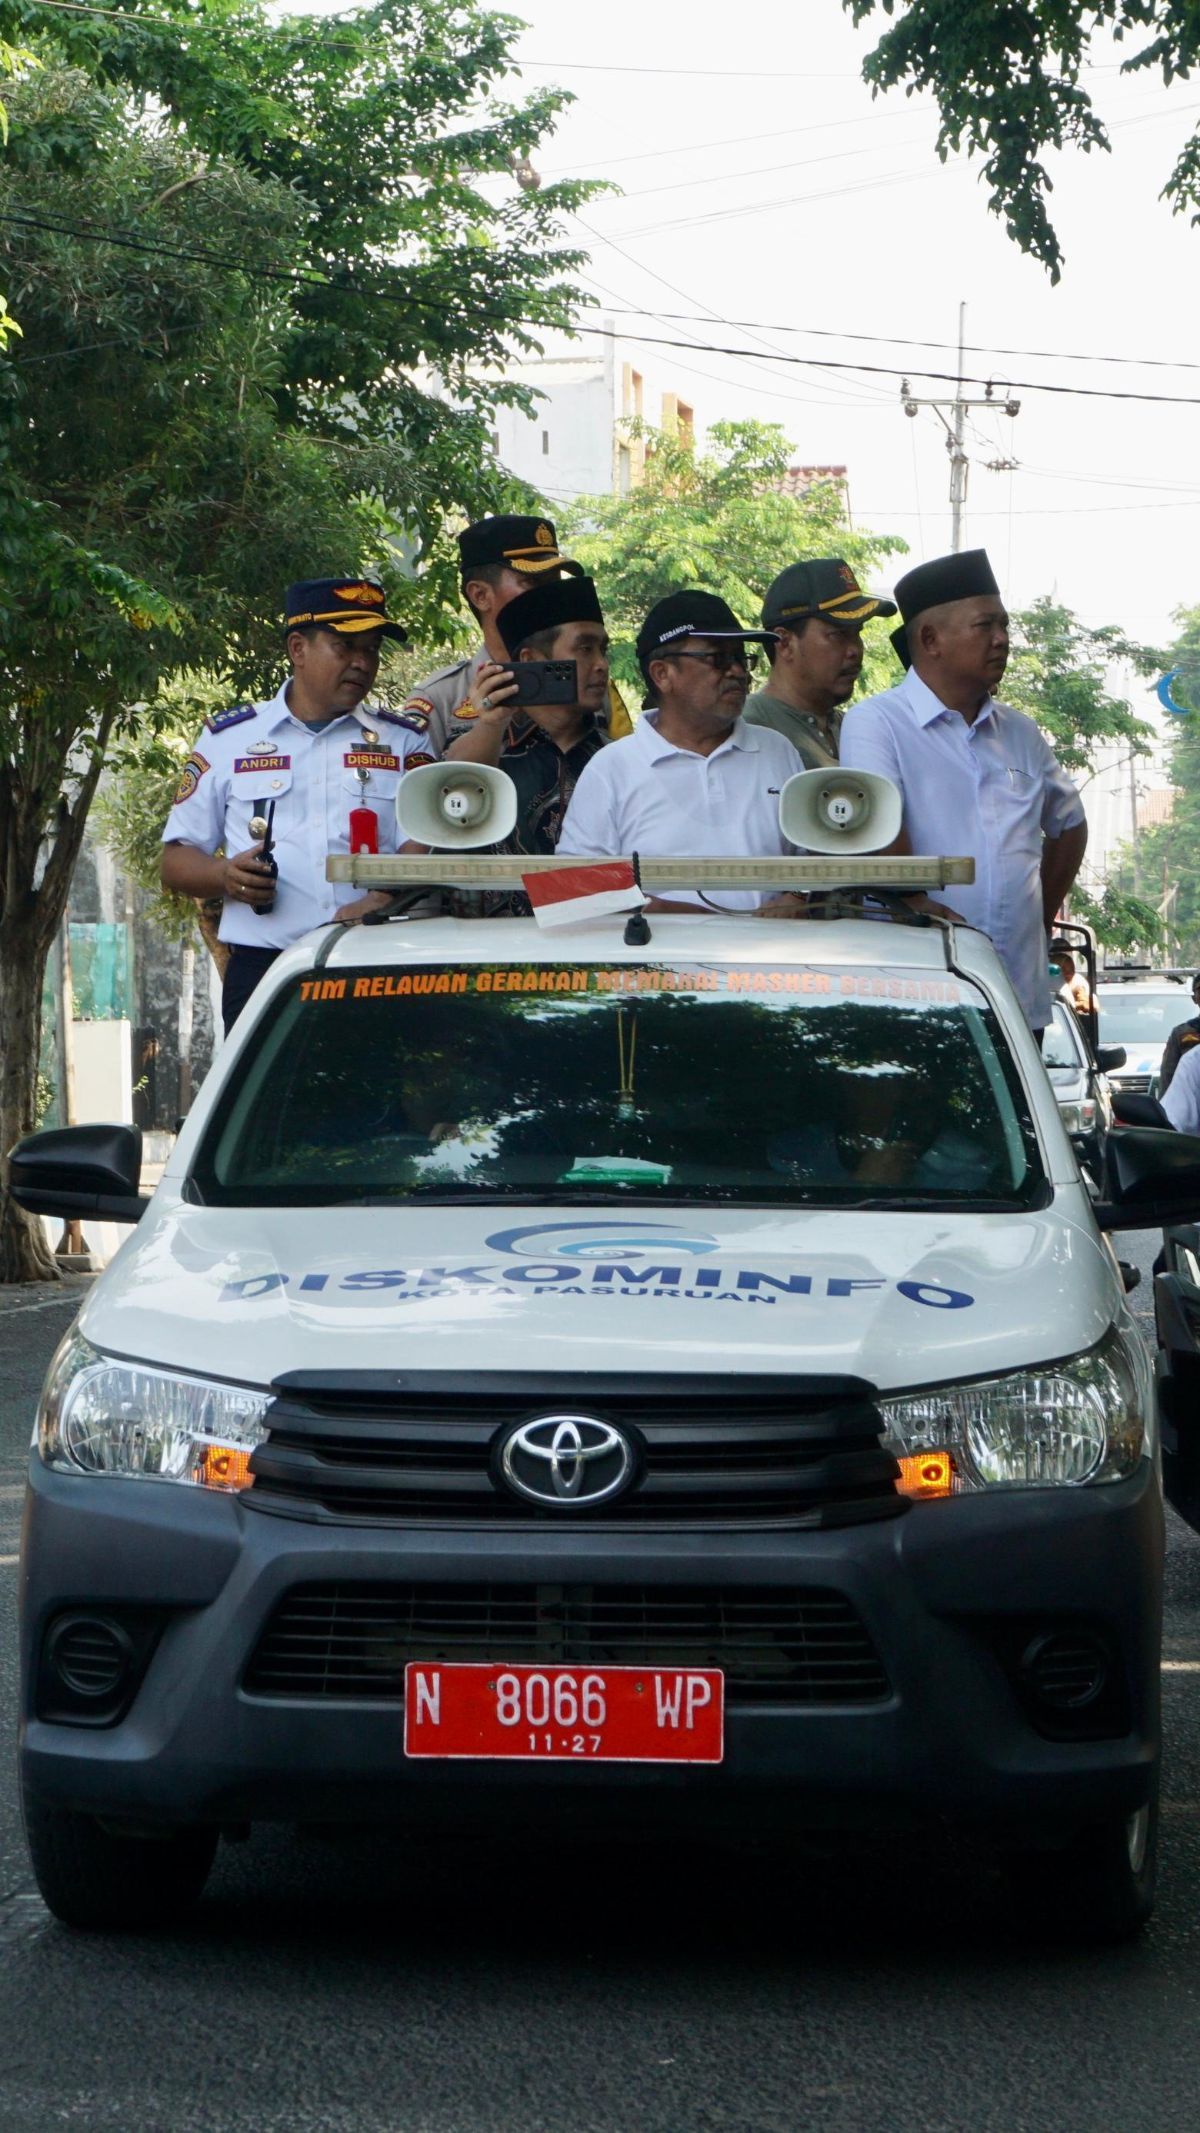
[(896, 340), (308, 278)]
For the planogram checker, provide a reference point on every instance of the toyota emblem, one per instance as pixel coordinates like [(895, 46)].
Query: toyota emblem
[(567, 1460)]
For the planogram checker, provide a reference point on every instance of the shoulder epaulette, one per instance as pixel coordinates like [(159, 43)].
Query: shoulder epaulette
[(221, 721), (397, 718)]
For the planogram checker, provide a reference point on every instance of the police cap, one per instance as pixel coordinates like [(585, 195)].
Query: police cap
[(826, 587), (527, 545), (346, 605)]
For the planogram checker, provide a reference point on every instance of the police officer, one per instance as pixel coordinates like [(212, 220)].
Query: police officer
[(302, 761), (817, 611), (501, 558)]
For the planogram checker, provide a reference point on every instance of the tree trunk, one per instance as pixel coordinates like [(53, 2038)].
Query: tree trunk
[(25, 1254), (31, 912)]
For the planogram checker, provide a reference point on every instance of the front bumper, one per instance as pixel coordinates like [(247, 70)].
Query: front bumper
[(937, 1590)]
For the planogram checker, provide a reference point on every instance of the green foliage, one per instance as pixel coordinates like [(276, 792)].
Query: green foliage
[(716, 519), (1119, 919), (1168, 856), (1007, 76), (12, 61), (142, 775), (235, 245), (1058, 673)]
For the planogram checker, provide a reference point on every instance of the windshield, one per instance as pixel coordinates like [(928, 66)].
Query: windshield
[(1136, 1015), (648, 1082), (1062, 1046)]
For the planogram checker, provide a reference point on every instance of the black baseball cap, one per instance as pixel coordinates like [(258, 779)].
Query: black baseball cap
[(346, 605), (689, 614), (547, 607), (527, 545), (826, 587)]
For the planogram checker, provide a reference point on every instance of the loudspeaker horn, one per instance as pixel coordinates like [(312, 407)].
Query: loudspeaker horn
[(456, 806), (838, 811)]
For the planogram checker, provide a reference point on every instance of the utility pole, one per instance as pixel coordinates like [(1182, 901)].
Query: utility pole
[(955, 428)]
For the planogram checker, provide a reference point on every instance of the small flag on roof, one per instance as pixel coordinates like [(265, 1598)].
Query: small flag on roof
[(563, 896)]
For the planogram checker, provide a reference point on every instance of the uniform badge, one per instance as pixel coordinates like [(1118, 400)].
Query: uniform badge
[(465, 712), (262, 747), (414, 762), (848, 578), (221, 721), (544, 536), (193, 771), (360, 595), (417, 713), (367, 759)]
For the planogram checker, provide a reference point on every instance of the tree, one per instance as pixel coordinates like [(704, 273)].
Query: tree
[(206, 401), (718, 519), (1007, 78), (1168, 856), (1058, 673)]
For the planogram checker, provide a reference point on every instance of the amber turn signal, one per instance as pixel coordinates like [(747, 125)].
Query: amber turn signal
[(926, 1474)]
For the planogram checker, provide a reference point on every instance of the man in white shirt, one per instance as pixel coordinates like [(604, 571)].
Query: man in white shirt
[(976, 776), (303, 760), (1181, 1101), (693, 778)]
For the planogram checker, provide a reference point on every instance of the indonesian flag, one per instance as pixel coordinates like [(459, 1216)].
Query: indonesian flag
[(564, 895)]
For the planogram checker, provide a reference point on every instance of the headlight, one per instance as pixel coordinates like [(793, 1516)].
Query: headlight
[(1069, 1423), (100, 1416), (1079, 1117)]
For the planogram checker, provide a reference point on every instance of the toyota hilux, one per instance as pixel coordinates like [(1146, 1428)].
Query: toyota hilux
[(683, 1384)]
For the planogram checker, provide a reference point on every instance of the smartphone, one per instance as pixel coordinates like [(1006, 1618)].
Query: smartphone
[(544, 681)]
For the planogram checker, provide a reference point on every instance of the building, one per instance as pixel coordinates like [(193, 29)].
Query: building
[(574, 443)]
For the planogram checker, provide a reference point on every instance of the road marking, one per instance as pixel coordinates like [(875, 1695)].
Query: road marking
[(7, 1559), (1181, 1666), (22, 1918), (10, 1495), (45, 1303)]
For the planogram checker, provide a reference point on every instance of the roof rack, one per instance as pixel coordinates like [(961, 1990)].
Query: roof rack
[(904, 876)]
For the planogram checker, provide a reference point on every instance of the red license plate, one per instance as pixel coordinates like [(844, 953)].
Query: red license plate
[(548, 1714)]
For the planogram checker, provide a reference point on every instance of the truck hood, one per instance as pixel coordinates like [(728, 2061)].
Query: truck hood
[(900, 1299)]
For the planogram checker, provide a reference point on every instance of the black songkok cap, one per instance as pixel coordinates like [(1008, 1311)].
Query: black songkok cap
[(527, 545), (548, 607), (948, 577)]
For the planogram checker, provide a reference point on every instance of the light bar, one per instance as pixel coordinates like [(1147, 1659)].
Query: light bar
[(503, 870)]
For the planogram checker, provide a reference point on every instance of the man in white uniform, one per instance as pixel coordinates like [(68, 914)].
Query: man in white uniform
[(693, 778), (312, 754), (976, 776)]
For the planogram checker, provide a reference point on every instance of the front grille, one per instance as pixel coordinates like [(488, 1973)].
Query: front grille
[(1137, 1084), (775, 1645), (764, 1450)]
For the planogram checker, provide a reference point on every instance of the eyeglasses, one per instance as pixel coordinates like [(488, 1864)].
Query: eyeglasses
[(723, 660)]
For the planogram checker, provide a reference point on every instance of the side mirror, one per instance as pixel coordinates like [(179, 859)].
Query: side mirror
[(1110, 1057), (1132, 1108), (80, 1172), (1151, 1179)]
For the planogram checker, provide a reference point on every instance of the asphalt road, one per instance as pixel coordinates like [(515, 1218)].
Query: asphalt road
[(351, 1989)]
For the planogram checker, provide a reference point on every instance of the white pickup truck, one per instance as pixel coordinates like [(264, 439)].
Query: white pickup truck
[(678, 1384)]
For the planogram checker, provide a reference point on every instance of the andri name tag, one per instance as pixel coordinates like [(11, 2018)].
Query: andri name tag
[(262, 762)]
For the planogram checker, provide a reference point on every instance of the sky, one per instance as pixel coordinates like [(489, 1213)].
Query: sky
[(761, 182)]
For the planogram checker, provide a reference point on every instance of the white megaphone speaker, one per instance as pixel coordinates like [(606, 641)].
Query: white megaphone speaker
[(839, 811), (454, 806)]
